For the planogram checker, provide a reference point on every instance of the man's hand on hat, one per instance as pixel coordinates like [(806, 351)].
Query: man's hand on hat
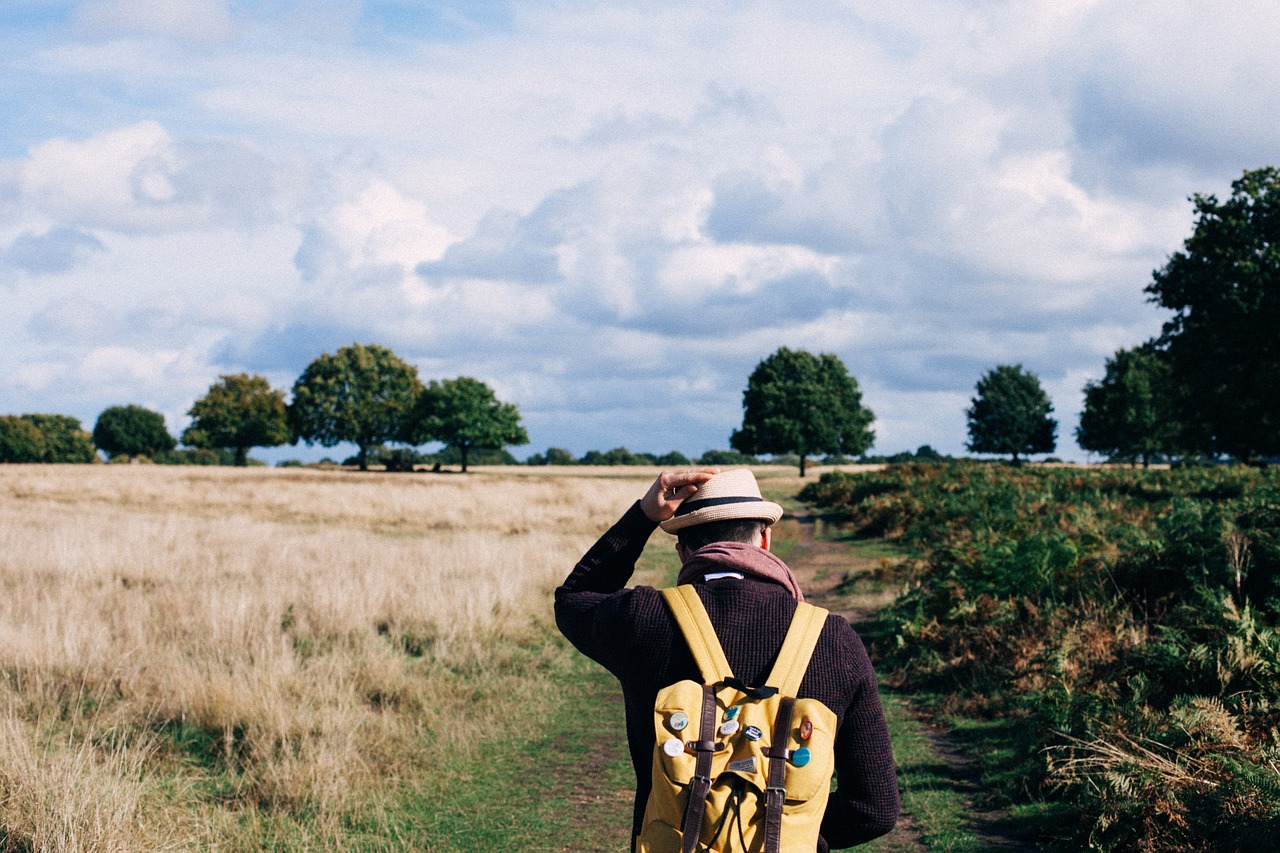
[(670, 490)]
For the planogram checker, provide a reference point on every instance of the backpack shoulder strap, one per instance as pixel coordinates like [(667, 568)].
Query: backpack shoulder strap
[(797, 648), (698, 632)]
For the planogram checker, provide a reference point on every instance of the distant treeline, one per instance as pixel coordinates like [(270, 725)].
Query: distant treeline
[(401, 458)]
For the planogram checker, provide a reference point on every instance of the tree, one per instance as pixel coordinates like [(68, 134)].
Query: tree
[(796, 402), (1129, 414), (20, 441), (239, 411), (1223, 342), (65, 441), (466, 415), (1011, 414), (361, 394), (131, 431)]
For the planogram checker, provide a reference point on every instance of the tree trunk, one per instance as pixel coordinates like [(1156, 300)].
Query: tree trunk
[(242, 456), (363, 457), (462, 448), (802, 461)]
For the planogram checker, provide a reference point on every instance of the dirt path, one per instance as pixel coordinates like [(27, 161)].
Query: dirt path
[(822, 566)]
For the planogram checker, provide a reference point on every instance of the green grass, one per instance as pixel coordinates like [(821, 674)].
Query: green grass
[(554, 785), (558, 776), (932, 795)]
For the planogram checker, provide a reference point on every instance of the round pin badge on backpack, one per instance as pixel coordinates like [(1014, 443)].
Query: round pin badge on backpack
[(678, 721)]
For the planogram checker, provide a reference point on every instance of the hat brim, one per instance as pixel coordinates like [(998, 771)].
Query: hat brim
[(766, 511)]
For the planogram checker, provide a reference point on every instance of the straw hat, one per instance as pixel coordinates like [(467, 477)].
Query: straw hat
[(727, 495)]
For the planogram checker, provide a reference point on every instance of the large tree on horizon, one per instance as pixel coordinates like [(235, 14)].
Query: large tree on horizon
[(1223, 342), (238, 412), (1129, 414), (796, 402), (131, 431), (466, 415), (1011, 414), (361, 394), (65, 440)]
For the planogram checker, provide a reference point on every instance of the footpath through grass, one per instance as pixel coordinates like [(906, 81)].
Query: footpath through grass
[(558, 781), (557, 777)]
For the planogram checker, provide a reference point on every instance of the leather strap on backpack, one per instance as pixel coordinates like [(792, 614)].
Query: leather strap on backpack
[(776, 792), (700, 786)]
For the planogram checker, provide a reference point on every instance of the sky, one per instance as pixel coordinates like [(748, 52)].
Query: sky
[(610, 212)]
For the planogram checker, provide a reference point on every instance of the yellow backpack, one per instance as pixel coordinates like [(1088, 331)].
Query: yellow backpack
[(735, 767)]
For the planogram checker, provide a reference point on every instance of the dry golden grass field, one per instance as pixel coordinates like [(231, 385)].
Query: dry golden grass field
[(204, 658), (241, 659)]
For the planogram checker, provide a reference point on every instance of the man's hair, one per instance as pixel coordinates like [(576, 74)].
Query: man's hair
[(730, 530)]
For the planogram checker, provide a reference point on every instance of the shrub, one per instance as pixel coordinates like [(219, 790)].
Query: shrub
[(1125, 619), (727, 457), (617, 456), (197, 456)]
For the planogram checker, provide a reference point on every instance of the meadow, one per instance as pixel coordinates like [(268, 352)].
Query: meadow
[(245, 659)]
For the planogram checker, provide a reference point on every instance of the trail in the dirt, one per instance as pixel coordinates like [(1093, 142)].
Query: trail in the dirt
[(822, 566)]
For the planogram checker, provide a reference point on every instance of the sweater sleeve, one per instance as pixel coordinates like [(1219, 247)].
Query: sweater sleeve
[(866, 802), (588, 610)]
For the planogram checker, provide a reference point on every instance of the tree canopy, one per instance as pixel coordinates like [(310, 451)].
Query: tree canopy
[(361, 394), (1129, 414), (1011, 414), (21, 442), (131, 431), (466, 415), (57, 439), (239, 412), (796, 402), (1223, 342)]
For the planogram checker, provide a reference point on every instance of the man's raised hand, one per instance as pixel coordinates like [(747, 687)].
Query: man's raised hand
[(670, 490)]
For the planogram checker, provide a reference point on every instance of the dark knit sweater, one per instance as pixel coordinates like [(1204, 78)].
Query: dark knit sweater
[(632, 633)]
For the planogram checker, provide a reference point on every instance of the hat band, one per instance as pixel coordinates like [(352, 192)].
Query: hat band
[(693, 506)]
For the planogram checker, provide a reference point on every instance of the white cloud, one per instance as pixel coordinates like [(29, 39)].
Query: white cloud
[(138, 178), (198, 20)]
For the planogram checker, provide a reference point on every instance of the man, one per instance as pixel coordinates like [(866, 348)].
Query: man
[(723, 525)]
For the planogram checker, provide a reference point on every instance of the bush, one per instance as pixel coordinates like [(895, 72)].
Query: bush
[(1125, 620), (617, 456), (198, 456), (727, 457), (554, 456), (400, 459)]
